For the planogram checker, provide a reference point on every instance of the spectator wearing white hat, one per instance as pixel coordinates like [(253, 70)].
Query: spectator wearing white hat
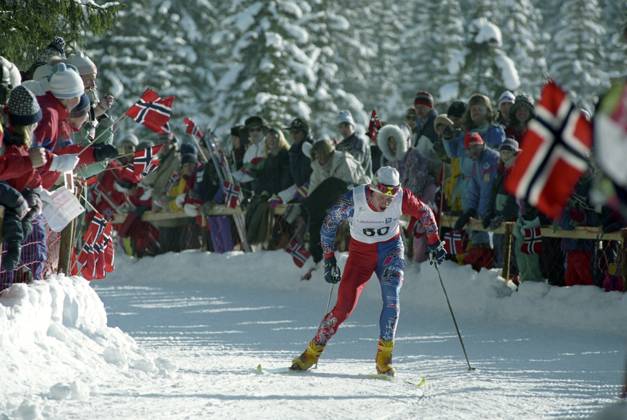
[(88, 72), (504, 104), (356, 145), (64, 91)]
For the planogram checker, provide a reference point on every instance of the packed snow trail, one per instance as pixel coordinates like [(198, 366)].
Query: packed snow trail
[(207, 329)]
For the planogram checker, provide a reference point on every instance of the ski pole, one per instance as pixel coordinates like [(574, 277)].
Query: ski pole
[(330, 296), (461, 341)]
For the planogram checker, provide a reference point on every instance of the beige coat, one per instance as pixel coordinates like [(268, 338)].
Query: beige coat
[(342, 165)]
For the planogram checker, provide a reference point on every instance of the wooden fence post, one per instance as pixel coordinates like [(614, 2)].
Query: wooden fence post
[(65, 248), (507, 251)]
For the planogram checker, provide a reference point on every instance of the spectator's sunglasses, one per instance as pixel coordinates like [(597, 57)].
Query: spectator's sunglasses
[(388, 190)]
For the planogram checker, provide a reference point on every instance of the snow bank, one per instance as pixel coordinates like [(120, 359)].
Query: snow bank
[(56, 344), (482, 295)]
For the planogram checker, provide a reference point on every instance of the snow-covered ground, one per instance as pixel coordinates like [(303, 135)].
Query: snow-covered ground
[(181, 336)]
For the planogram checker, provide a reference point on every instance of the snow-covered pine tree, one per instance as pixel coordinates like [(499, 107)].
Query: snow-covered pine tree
[(268, 70), (327, 94), (523, 40), (156, 44), (575, 57), (355, 51), (448, 50), (385, 76), (415, 52), (614, 16), (486, 69)]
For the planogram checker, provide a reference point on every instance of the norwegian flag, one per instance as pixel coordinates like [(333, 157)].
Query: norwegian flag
[(557, 148), (531, 241), (298, 252), (192, 128), (97, 254), (455, 242), (146, 160), (152, 111), (232, 194)]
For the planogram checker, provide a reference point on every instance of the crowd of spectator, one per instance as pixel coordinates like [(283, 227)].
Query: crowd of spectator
[(454, 157)]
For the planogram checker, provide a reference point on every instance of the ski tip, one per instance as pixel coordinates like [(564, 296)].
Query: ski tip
[(421, 382)]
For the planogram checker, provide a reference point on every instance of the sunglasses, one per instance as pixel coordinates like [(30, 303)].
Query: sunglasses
[(389, 190), (255, 129)]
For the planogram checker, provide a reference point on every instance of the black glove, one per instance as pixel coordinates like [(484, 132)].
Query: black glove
[(437, 253), (104, 151), (464, 219), (331, 271)]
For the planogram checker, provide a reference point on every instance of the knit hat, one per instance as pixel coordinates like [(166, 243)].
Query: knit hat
[(82, 63), (345, 117), (54, 51), (423, 98), (506, 97), (298, 124), (82, 108), (388, 175), (470, 139), (456, 109), (65, 82), (22, 107), (509, 144)]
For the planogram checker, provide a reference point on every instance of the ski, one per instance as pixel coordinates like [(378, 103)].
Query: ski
[(420, 382)]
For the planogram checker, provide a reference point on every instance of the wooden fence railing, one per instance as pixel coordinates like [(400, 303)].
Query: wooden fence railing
[(582, 232)]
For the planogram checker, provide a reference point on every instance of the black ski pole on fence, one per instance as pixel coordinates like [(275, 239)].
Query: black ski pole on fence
[(461, 341)]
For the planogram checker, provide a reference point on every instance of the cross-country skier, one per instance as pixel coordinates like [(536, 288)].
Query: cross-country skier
[(373, 212)]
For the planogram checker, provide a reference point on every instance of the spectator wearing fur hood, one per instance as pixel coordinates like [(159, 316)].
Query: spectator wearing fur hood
[(519, 115), (392, 141)]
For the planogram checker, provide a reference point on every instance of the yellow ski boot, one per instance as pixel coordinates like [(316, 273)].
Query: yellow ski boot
[(309, 357), (384, 357)]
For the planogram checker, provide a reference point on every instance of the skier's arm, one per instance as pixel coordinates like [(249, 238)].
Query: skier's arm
[(412, 206), (343, 209)]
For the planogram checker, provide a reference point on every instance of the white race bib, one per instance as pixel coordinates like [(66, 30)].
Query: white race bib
[(371, 226)]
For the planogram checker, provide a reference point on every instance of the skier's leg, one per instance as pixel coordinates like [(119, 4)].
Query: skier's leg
[(390, 264), (357, 272)]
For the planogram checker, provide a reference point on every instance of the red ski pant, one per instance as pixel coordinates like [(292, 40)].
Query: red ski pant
[(386, 260)]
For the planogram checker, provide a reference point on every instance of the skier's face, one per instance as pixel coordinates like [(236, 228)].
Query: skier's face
[(381, 201)]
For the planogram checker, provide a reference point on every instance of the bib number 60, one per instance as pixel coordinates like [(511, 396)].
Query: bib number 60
[(378, 232)]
